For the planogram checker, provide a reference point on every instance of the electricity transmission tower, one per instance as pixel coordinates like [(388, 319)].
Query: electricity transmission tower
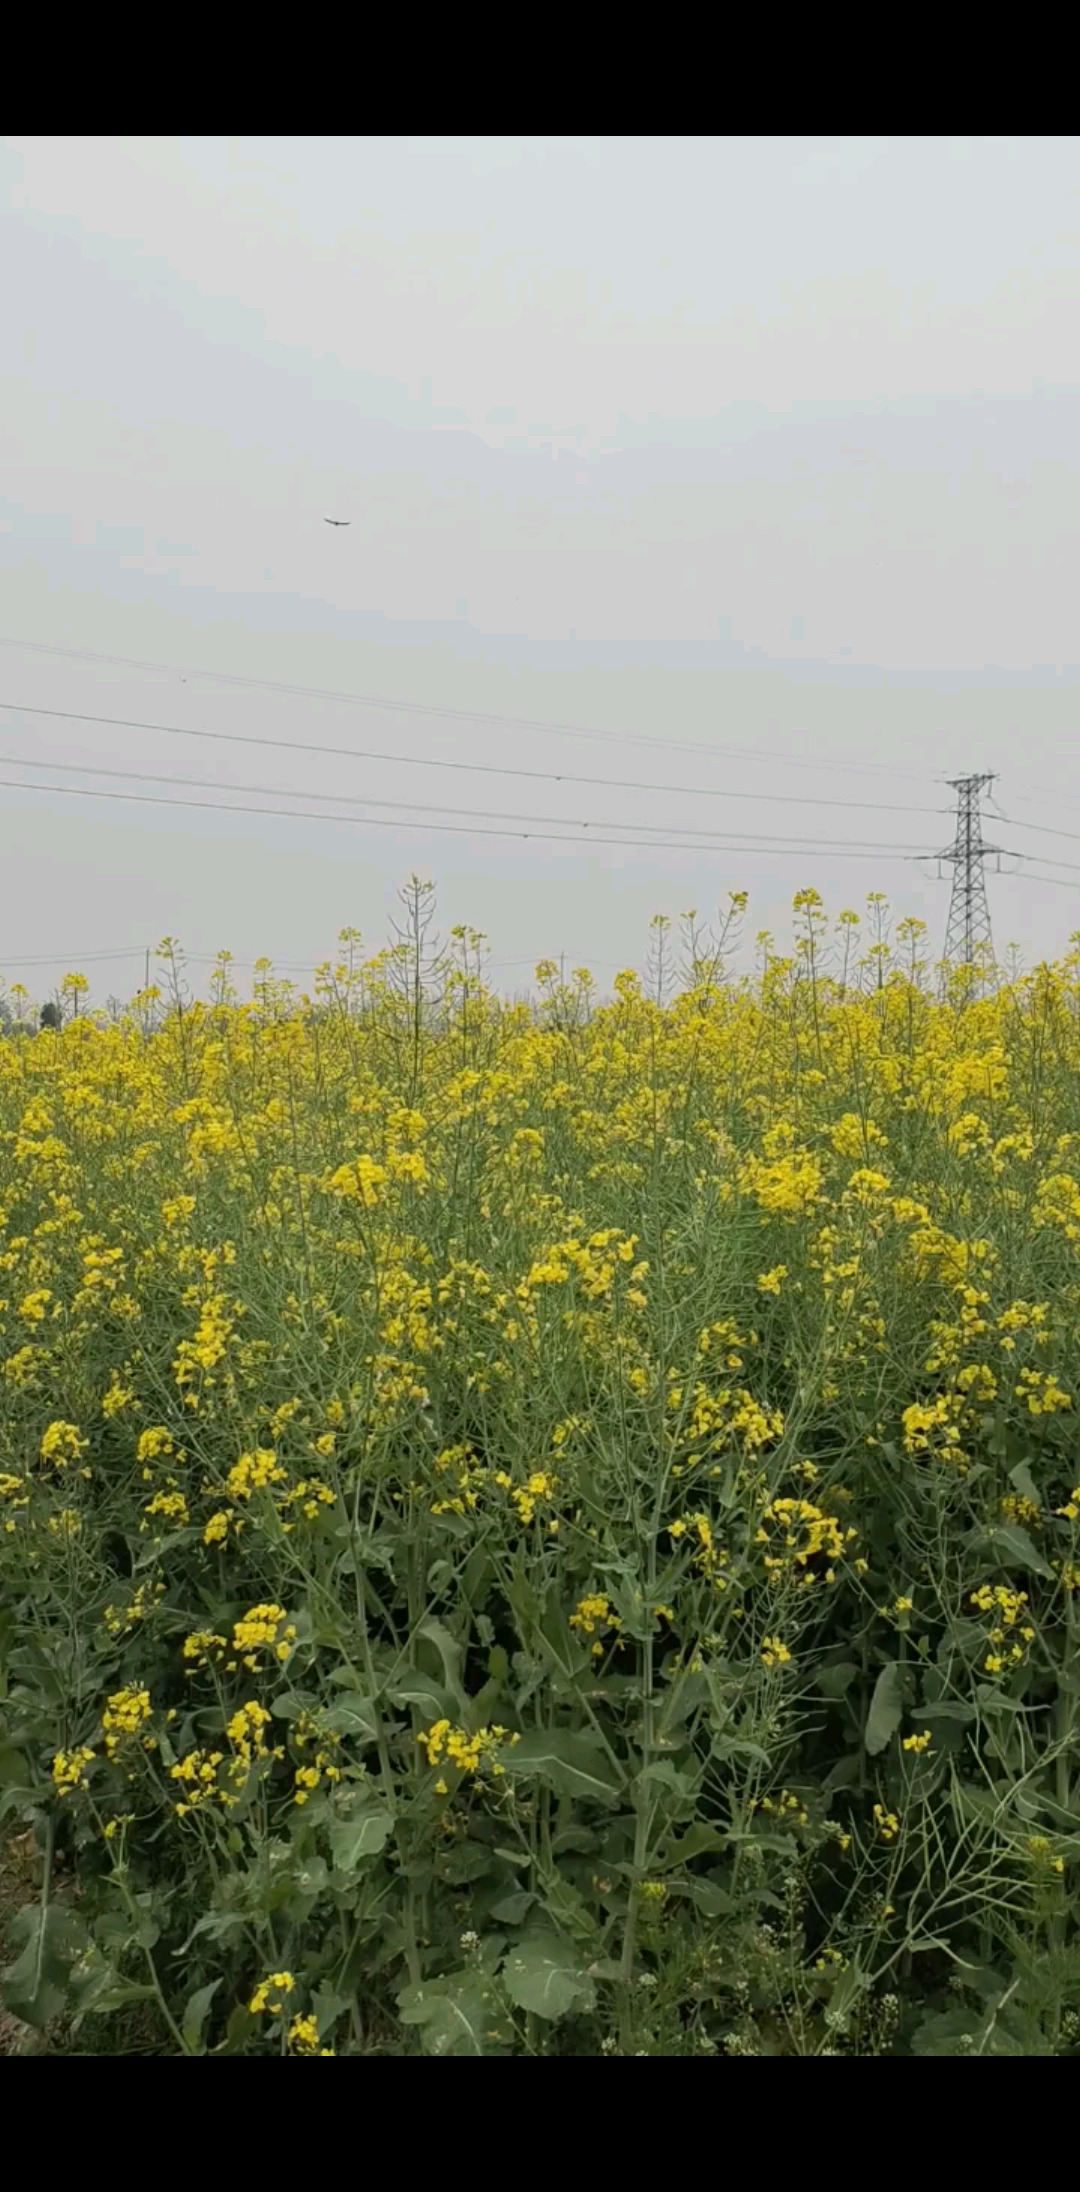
[(968, 940)]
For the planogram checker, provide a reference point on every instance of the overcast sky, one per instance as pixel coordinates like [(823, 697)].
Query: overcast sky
[(754, 461)]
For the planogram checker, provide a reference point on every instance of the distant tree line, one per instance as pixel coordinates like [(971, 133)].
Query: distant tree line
[(49, 1017)]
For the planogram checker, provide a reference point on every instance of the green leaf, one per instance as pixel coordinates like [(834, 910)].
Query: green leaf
[(512, 1906), (354, 1716), (217, 1924), (543, 1974), (567, 1909), (465, 1860), (328, 2006), (240, 2024), (708, 1895), (947, 2032), (289, 1704), (1023, 1482), (695, 1842), (737, 1746), (196, 2013), (687, 1693), (886, 1708), (457, 2015), (846, 1773), (571, 1764), (14, 1767), (351, 1840), (450, 1653), (37, 1987), (835, 1681), (1013, 1548), (666, 1775), (427, 1695)]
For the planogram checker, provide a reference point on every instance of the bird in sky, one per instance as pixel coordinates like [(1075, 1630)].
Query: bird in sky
[(337, 521)]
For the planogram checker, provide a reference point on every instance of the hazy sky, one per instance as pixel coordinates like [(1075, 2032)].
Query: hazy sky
[(756, 459)]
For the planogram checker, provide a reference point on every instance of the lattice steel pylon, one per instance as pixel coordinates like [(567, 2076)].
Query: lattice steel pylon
[(968, 941)]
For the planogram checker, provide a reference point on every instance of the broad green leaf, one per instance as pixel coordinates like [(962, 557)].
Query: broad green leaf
[(694, 1843), (241, 2023), (835, 1681), (466, 1860), (457, 2015), (354, 1716), (846, 1772), (365, 1835), (512, 1906), (1023, 1482), (36, 1988), (106, 1994), (543, 1974), (633, 1609), (568, 1911), (1013, 1548), (289, 1704), (450, 1653), (708, 1895), (427, 1695), (886, 1709), (571, 1764), (196, 2013), (736, 1746), (666, 1775), (217, 1924), (14, 1767), (328, 2006), (687, 1693), (947, 2032)]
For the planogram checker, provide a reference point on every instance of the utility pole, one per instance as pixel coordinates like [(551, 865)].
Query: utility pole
[(146, 983), (967, 937)]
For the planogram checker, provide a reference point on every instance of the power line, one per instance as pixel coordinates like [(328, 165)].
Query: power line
[(1045, 829), (58, 958), (412, 807), (462, 829), (459, 715), (78, 958), (1031, 875), (481, 768)]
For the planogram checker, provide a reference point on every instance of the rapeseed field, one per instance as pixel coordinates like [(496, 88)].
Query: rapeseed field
[(547, 1528)]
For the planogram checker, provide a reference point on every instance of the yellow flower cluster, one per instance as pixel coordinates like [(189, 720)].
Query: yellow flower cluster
[(70, 1769), (124, 1719), (1006, 1608), (786, 1809), (710, 1559), (797, 1532), (539, 1489), (263, 1629), (272, 1993), (469, 1753), (62, 1444), (594, 1612), (209, 1776)]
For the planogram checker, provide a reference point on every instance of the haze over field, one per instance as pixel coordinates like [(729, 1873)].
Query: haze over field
[(752, 447)]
